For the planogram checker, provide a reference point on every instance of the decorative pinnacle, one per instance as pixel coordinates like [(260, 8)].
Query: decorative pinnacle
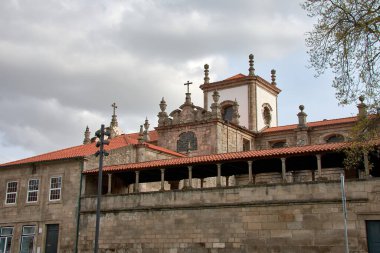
[(163, 105), (361, 99), (301, 107), (87, 134), (215, 96), (114, 117), (273, 76), (251, 68), (206, 79), (146, 124)]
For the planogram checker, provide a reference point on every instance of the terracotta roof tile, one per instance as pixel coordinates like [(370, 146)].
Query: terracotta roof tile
[(312, 124), (89, 149), (254, 154), (236, 76)]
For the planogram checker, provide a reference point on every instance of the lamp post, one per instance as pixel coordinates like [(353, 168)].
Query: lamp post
[(101, 153)]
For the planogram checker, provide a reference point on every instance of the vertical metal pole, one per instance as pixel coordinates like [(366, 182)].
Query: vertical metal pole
[(344, 211), (98, 198)]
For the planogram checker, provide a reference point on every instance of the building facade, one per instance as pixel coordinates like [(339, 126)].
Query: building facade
[(222, 177)]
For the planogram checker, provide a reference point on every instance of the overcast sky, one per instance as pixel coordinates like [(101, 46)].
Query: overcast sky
[(64, 62)]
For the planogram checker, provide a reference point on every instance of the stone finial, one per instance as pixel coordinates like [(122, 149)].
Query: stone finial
[(235, 113), (215, 107), (114, 126), (141, 135), (302, 117), (216, 96), (273, 76), (163, 105), (188, 94), (251, 63), (87, 134), (146, 130), (206, 79), (362, 107)]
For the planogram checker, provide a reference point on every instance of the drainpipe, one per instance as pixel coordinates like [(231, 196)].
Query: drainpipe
[(78, 208)]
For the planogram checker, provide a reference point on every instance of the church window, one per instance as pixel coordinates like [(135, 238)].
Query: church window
[(246, 145), (267, 115), (279, 144), (228, 113), (334, 138), (187, 142)]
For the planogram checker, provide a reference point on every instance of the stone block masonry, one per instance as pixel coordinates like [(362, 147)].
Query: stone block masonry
[(298, 217)]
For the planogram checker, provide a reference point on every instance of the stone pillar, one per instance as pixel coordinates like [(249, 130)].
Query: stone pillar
[(319, 165), (109, 190), (283, 167), (250, 175), (366, 164), (162, 180), (218, 178), (190, 176), (137, 184)]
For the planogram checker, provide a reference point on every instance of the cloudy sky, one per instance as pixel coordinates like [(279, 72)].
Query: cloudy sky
[(64, 62)]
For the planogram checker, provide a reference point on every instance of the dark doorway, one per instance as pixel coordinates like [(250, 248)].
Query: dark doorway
[(373, 236), (51, 238)]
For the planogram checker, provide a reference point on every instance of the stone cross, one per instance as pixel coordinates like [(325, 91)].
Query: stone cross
[(188, 84), (114, 108)]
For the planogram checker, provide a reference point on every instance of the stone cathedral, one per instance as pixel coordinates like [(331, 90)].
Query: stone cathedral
[(211, 178)]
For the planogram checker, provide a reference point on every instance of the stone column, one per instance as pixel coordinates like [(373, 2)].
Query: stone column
[(218, 179), (283, 167), (109, 190), (137, 184), (250, 176), (190, 176), (162, 180), (319, 165), (366, 164)]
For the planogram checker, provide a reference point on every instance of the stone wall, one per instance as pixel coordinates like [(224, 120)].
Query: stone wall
[(62, 212), (297, 217)]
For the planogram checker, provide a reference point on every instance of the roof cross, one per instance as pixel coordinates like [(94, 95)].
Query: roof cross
[(114, 108), (188, 84)]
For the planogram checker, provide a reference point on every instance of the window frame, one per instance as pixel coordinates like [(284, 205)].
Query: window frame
[(55, 189), (8, 237), (28, 235), (32, 191), (7, 193)]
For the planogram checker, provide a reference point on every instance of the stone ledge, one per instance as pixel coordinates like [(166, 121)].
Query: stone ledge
[(232, 205)]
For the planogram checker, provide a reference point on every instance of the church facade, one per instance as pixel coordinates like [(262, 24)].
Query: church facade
[(217, 177)]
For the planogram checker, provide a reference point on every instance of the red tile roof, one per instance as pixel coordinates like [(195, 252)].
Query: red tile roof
[(312, 124), (254, 154), (89, 149), (240, 75)]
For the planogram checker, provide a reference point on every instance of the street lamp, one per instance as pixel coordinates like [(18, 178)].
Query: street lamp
[(101, 153)]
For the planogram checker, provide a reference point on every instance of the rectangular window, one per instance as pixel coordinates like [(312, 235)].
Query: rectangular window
[(6, 234), (246, 145), (11, 193), (373, 235), (27, 239), (55, 188), (33, 186)]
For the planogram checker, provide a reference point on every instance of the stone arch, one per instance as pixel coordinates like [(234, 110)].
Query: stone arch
[(187, 141), (332, 138), (227, 110), (266, 111)]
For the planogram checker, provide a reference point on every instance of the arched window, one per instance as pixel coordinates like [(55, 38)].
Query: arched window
[(335, 138), (279, 144), (267, 115), (227, 110), (187, 142)]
